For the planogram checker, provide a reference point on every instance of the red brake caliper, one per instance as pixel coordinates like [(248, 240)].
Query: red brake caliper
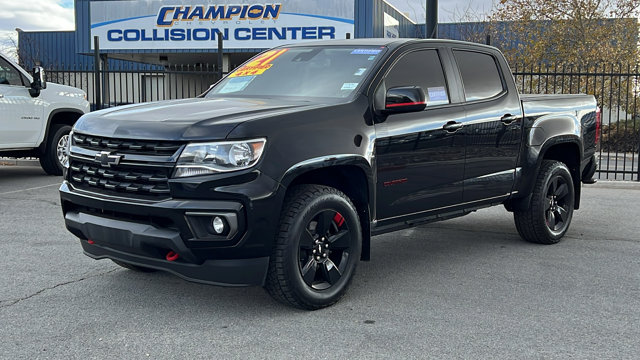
[(338, 219)]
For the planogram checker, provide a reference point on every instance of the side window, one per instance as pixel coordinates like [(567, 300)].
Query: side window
[(422, 68), (8, 74), (480, 75)]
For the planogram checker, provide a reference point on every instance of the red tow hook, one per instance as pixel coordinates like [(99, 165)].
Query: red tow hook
[(172, 256), (91, 242)]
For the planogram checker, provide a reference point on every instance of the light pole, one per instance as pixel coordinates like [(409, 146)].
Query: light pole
[(432, 19)]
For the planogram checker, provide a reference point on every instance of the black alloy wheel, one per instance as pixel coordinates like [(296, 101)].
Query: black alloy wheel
[(325, 249), (317, 248), (558, 205), (549, 215)]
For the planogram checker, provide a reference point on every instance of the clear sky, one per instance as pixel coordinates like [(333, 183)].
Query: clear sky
[(58, 14)]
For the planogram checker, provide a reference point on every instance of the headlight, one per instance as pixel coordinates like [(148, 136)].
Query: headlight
[(217, 157)]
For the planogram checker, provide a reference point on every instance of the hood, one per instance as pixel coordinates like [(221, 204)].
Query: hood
[(64, 92), (189, 119)]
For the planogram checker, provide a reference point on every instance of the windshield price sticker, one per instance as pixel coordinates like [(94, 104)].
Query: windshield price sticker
[(236, 84), (349, 86), (366, 52), (258, 65)]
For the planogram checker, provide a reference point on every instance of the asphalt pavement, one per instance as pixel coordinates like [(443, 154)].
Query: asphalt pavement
[(463, 288)]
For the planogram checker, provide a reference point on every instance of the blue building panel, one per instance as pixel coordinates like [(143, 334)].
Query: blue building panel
[(57, 49), (82, 36), (369, 21)]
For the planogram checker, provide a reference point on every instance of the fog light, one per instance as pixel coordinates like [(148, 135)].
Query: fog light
[(218, 224)]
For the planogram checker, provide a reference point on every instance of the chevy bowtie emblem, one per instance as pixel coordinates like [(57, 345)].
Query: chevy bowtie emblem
[(106, 159)]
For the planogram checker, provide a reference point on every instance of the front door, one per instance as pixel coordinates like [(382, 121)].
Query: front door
[(20, 114), (420, 165)]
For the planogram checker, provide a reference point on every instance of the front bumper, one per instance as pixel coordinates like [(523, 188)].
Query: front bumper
[(116, 239), (143, 233)]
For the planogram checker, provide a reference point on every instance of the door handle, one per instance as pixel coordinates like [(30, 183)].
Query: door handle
[(453, 126), (508, 119)]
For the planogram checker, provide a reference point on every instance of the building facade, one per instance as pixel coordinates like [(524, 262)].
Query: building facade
[(172, 33)]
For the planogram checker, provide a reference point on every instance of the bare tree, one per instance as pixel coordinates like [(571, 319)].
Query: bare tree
[(9, 45), (568, 31)]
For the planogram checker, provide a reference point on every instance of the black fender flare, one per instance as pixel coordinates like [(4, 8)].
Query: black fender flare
[(531, 166), (339, 160)]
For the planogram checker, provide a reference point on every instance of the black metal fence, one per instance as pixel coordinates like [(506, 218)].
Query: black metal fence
[(121, 85), (617, 90), (616, 87)]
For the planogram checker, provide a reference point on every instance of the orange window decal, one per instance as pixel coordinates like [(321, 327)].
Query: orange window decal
[(259, 65)]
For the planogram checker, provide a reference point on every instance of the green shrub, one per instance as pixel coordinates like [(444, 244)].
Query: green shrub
[(621, 136)]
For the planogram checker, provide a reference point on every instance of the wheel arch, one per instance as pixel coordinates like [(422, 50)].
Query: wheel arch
[(350, 174), (64, 116), (567, 151), (564, 148)]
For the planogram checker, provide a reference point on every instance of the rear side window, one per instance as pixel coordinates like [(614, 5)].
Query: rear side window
[(480, 75), (422, 68), (8, 74)]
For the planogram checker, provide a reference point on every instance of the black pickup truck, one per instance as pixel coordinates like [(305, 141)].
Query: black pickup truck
[(280, 174)]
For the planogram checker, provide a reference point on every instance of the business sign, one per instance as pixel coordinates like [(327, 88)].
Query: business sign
[(180, 24)]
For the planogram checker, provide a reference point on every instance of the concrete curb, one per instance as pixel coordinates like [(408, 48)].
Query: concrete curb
[(615, 184), (19, 162)]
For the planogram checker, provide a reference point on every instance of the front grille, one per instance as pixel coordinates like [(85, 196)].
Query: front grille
[(126, 146), (144, 182), (141, 170)]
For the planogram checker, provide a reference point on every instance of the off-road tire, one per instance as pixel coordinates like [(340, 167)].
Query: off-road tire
[(49, 159), (303, 205), (533, 224)]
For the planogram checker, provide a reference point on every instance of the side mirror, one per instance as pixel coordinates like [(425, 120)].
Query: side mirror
[(404, 99), (39, 81)]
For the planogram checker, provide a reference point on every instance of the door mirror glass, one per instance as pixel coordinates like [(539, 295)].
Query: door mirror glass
[(404, 99)]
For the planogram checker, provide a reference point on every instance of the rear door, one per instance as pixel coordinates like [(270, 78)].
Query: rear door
[(493, 125), (19, 118), (420, 165)]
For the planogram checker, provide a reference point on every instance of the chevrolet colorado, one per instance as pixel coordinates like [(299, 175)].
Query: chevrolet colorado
[(36, 117), (280, 174)]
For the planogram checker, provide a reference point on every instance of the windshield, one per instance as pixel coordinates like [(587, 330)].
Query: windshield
[(329, 72)]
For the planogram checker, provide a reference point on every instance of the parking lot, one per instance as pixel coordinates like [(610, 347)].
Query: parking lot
[(464, 288)]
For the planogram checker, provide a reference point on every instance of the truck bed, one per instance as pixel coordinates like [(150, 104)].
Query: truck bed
[(539, 105)]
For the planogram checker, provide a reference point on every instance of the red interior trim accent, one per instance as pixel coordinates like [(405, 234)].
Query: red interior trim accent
[(91, 242), (172, 256), (406, 104)]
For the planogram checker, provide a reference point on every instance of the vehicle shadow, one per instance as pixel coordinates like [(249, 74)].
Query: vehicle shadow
[(405, 260)]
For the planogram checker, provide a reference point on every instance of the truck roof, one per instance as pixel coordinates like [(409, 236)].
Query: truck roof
[(390, 43)]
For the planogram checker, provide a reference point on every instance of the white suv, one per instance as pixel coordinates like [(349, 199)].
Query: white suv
[(36, 118)]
